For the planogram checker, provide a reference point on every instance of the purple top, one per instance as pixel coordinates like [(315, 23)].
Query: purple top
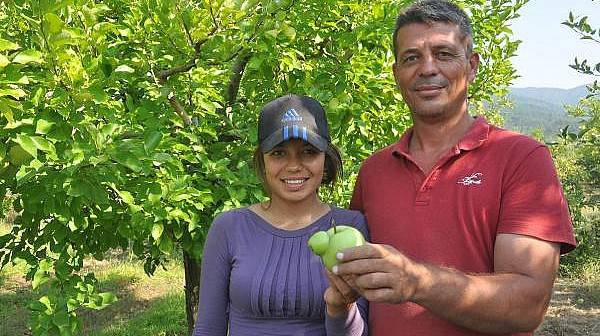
[(260, 280)]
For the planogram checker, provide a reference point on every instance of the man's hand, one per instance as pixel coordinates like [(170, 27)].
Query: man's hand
[(339, 296), (512, 299), (381, 273)]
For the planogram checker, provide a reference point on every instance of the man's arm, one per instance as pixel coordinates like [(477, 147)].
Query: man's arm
[(512, 299)]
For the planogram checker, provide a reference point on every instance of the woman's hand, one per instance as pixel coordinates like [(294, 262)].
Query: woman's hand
[(339, 296)]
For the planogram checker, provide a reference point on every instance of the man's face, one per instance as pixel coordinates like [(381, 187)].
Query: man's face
[(433, 69)]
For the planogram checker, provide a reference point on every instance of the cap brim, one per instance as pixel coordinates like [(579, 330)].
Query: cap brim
[(277, 137)]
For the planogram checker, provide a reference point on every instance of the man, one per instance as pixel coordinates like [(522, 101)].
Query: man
[(467, 220)]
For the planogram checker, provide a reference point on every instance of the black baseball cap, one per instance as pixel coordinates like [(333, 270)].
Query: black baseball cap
[(293, 117)]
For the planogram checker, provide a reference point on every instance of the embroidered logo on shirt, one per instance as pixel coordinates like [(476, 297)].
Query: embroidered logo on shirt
[(474, 178)]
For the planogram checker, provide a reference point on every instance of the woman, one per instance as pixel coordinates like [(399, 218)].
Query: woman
[(258, 275)]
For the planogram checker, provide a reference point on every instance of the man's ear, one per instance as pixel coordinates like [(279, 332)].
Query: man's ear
[(395, 71), (473, 65)]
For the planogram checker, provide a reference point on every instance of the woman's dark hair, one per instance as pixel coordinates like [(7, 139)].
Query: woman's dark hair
[(332, 170)]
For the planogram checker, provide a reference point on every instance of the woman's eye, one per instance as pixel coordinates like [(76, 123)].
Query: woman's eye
[(310, 151), (276, 152)]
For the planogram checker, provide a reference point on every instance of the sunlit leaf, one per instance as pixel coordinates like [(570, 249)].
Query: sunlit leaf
[(157, 230), (7, 45), (124, 68), (28, 56), (52, 23)]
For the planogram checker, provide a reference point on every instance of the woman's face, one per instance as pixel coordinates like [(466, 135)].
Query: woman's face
[(293, 171)]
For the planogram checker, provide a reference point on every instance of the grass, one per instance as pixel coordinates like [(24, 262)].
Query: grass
[(152, 306), (575, 306)]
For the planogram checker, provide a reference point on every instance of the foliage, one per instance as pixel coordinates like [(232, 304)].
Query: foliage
[(579, 157), (582, 27), (132, 122)]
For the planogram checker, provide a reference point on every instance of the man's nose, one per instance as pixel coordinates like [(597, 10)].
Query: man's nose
[(428, 66)]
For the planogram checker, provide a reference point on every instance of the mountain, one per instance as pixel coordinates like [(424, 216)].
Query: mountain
[(542, 109)]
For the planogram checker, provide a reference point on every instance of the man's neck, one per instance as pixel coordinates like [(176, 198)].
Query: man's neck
[(430, 137), (430, 141)]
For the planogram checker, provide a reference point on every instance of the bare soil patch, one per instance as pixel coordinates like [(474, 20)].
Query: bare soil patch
[(574, 310)]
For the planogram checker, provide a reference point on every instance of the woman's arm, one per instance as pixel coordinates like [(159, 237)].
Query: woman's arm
[(213, 309)]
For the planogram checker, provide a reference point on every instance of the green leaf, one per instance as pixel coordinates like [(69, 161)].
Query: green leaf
[(3, 61), (109, 129), (7, 45), (37, 306), (28, 56), (166, 245), (31, 143), (77, 188), (289, 31), (128, 160), (99, 95), (157, 230), (151, 140), (124, 68), (15, 93), (61, 319), (40, 277), (126, 196), (51, 23), (72, 305), (108, 298), (61, 39), (27, 144), (43, 126)]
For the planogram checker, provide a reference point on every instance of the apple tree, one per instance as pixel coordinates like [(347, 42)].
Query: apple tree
[(578, 153)]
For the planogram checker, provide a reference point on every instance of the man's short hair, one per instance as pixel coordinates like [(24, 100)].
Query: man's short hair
[(431, 11)]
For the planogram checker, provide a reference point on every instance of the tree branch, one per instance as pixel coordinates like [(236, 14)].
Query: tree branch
[(163, 76), (174, 102), (237, 71)]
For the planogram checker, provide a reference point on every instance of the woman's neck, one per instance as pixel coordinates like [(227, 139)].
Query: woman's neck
[(291, 215)]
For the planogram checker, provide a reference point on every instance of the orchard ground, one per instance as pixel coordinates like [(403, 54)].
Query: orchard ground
[(155, 305)]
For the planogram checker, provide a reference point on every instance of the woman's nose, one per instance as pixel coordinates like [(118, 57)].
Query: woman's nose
[(294, 163)]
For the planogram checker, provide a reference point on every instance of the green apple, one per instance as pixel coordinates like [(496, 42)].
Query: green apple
[(327, 244)]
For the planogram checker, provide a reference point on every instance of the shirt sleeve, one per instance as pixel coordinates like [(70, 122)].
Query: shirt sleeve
[(533, 203), (213, 309), (356, 202), (352, 324)]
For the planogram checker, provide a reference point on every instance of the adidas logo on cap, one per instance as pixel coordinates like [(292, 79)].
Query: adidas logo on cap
[(291, 115)]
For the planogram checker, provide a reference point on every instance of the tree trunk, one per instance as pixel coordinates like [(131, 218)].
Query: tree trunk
[(192, 288)]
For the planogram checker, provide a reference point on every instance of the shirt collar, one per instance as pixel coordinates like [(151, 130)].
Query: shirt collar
[(476, 135)]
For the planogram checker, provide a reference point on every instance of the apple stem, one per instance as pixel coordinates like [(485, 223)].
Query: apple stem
[(334, 226)]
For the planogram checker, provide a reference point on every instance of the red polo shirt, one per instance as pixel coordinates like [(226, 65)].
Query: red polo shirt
[(493, 181)]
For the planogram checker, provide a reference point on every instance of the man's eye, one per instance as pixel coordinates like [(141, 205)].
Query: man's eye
[(445, 55), (409, 59), (276, 152)]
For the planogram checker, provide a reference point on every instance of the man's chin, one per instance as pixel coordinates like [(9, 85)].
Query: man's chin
[(429, 114)]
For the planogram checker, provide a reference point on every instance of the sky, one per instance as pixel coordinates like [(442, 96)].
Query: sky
[(549, 47)]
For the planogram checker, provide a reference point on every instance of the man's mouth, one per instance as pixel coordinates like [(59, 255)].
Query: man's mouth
[(427, 88)]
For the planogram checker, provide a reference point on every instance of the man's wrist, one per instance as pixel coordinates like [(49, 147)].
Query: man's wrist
[(423, 282)]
